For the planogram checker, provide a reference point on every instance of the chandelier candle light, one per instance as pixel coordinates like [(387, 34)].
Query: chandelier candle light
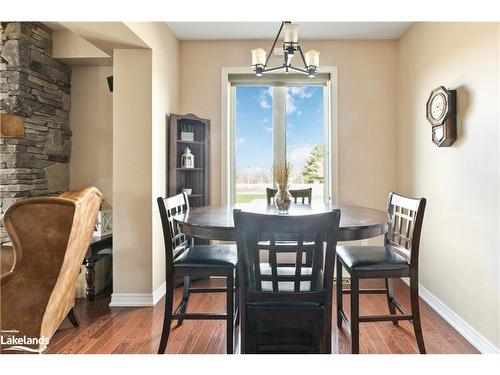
[(291, 46)]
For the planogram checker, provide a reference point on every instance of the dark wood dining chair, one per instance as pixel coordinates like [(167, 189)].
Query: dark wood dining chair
[(286, 305), (183, 259), (270, 193), (302, 194), (398, 257)]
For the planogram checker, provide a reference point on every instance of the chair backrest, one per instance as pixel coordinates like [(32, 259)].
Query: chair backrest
[(298, 193), (270, 193), (175, 241), (291, 279), (405, 224), (302, 193), (50, 237)]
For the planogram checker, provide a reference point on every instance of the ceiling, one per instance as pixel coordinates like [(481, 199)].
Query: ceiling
[(268, 30), (55, 26)]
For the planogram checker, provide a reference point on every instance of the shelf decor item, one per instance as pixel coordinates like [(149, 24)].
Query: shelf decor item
[(187, 133), (187, 159), (281, 172), (104, 221)]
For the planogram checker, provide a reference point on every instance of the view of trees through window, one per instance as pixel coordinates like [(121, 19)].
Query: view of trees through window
[(254, 140)]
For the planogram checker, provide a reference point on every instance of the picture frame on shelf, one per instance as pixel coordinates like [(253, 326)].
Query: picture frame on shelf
[(187, 133)]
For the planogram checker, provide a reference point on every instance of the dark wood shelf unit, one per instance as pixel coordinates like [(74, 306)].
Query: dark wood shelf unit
[(197, 178)]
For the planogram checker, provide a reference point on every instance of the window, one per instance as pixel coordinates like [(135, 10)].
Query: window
[(305, 138), (273, 120), (253, 142)]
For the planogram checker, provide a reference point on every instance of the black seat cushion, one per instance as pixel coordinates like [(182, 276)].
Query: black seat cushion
[(208, 256), (371, 258)]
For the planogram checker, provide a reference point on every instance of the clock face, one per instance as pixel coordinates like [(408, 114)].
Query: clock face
[(438, 106)]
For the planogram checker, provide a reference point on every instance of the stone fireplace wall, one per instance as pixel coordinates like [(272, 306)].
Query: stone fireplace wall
[(35, 138)]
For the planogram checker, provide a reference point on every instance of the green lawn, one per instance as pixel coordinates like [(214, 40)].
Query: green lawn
[(248, 197)]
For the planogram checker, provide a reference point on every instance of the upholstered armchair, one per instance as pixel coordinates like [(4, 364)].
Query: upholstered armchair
[(50, 237)]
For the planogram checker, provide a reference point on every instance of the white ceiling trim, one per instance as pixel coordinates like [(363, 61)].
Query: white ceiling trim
[(268, 30)]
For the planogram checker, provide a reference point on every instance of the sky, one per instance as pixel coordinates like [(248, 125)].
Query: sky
[(304, 120)]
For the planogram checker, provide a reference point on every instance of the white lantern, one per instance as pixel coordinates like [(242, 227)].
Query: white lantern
[(187, 159), (312, 58), (258, 57), (291, 32)]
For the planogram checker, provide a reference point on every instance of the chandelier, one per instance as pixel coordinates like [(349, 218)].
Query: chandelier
[(291, 46)]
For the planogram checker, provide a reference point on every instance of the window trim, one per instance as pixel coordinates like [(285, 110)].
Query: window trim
[(227, 164)]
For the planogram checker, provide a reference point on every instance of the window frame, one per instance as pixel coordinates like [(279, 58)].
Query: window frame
[(228, 133)]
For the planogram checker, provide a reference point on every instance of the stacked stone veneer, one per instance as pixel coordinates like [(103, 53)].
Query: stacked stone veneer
[(35, 102)]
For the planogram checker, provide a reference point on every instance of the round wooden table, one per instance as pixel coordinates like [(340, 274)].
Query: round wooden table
[(216, 222)]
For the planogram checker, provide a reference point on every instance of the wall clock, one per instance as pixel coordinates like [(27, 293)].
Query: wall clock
[(442, 114)]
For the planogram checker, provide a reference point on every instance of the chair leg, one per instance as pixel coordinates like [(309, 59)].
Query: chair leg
[(237, 297), (167, 318), (415, 311), (319, 342), (390, 299), (354, 314), (185, 298), (243, 327), (229, 312), (327, 335), (249, 346), (339, 292), (73, 318)]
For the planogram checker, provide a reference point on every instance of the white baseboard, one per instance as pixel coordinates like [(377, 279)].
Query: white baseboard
[(465, 329), (138, 299), (159, 293)]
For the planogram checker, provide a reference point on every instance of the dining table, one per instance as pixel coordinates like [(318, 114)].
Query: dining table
[(215, 222)]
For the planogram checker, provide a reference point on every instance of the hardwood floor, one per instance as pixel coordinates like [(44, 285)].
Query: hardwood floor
[(137, 330)]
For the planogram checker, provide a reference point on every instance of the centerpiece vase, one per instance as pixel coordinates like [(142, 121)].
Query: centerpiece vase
[(282, 201)]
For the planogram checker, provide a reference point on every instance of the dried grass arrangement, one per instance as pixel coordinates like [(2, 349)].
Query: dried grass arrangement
[(282, 171)]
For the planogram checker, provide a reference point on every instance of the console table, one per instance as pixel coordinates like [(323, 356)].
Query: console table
[(99, 248)]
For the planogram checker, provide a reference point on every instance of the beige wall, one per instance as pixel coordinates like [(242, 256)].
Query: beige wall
[(76, 50), (132, 172), (460, 241), (366, 107), (165, 75), (91, 121), (145, 70)]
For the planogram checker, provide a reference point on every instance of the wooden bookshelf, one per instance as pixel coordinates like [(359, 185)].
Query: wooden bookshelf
[(197, 178)]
